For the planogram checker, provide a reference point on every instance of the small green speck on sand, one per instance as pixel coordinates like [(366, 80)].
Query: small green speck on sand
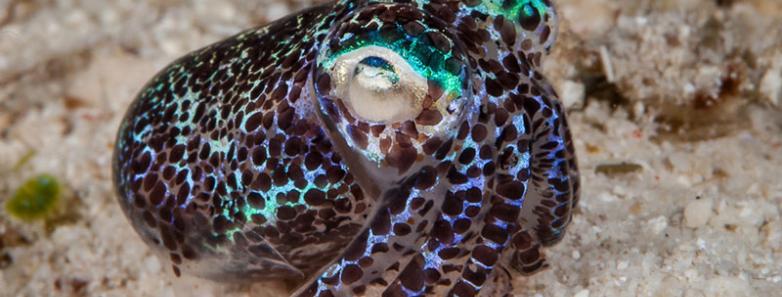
[(36, 199)]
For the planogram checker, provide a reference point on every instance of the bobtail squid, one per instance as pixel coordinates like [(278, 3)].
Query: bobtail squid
[(410, 145)]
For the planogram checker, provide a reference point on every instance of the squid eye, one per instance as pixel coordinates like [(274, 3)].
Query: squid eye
[(378, 85)]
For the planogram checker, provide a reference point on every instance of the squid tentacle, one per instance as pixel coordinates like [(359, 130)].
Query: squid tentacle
[(454, 232), (500, 283), (395, 232), (508, 192), (554, 182)]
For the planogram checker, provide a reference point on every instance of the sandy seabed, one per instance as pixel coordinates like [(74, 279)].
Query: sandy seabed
[(675, 109)]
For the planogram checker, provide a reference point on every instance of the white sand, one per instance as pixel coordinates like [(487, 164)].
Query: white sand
[(698, 213)]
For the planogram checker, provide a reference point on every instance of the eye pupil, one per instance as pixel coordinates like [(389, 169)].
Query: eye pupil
[(376, 62), (376, 73)]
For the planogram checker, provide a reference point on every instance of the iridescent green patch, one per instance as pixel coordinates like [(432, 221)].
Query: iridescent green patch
[(423, 57), (36, 199), (513, 9)]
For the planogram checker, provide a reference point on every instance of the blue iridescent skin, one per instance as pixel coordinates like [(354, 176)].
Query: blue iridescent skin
[(411, 145)]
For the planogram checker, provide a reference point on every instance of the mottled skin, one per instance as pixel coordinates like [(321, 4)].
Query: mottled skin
[(240, 161)]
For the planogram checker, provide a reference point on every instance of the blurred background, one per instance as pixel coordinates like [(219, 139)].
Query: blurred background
[(676, 108)]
